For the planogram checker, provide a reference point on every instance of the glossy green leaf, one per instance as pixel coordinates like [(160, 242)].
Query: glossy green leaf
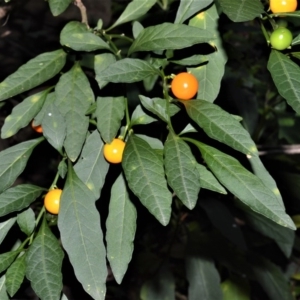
[(272, 280), (120, 234), (203, 278), (127, 70), (15, 275), (158, 107), (76, 36), (139, 117), (160, 286), (137, 28), (92, 167), (58, 6), (210, 74), (22, 114), (208, 180), (101, 62), (145, 175), (5, 226), (3, 294), (134, 10), (6, 259), (18, 197), (188, 8), (109, 113), (169, 36), (247, 187), (33, 73), (181, 170), (284, 73), (54, 127), (26, 221), (73, 98), (283, 237), (81, 235), (220, 125), (235, 289), (43, 264), (242, 10), (13, 161)]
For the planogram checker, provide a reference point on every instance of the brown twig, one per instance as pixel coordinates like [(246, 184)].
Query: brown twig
[(82, 8)]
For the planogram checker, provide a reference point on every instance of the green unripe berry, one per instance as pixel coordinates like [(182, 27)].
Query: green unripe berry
[(281, 38)]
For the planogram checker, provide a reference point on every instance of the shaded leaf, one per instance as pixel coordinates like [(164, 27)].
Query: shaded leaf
[(26, 221), (76, 36), (15, 275), (22, 114), (58, 6), (33, 73), (169, 36), (18, 197), (181, 170), (139, 117), (109, 113), (3, 294), (145, 175), (43, 264), (101, 62), (120, 234), (92, 167), (235, 289), (13, 161), (81, 235), (5, 226), (6, 259)]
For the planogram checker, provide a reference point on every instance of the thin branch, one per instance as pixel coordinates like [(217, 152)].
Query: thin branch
[(82, 8)]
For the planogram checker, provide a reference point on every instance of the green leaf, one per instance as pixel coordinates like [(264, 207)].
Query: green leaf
[(15, 275), (26, 221), (62, 169), (43, 264), (54, 127), (76, 36), (127, 70), (5, 227), (187, 8), (6, 259), (137, 28), (235, 289), (210, 74), (192, 60), (139, 117), (158, 107), (121, 227), (284, 73), (73, 98), (3, 294), (220, 125), (153, 142), (109, 113), (247, 187), (101, 62), (22, 114), (283, 237), (18, 197), (208, 181), (169, 36), (134, 10), (92, 167), (81, 235), (242, 10), (13, 161), (40, 116), (145, 175), (161, 286), (272, 280), (33, 73), (203, 278), (58, 6), (296, 40), (261, 172), (181, 170)]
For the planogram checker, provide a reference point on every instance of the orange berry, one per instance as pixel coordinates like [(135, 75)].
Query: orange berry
[(184, 86), (282, 6), (37, 128), (52, 201), (113, 152)]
